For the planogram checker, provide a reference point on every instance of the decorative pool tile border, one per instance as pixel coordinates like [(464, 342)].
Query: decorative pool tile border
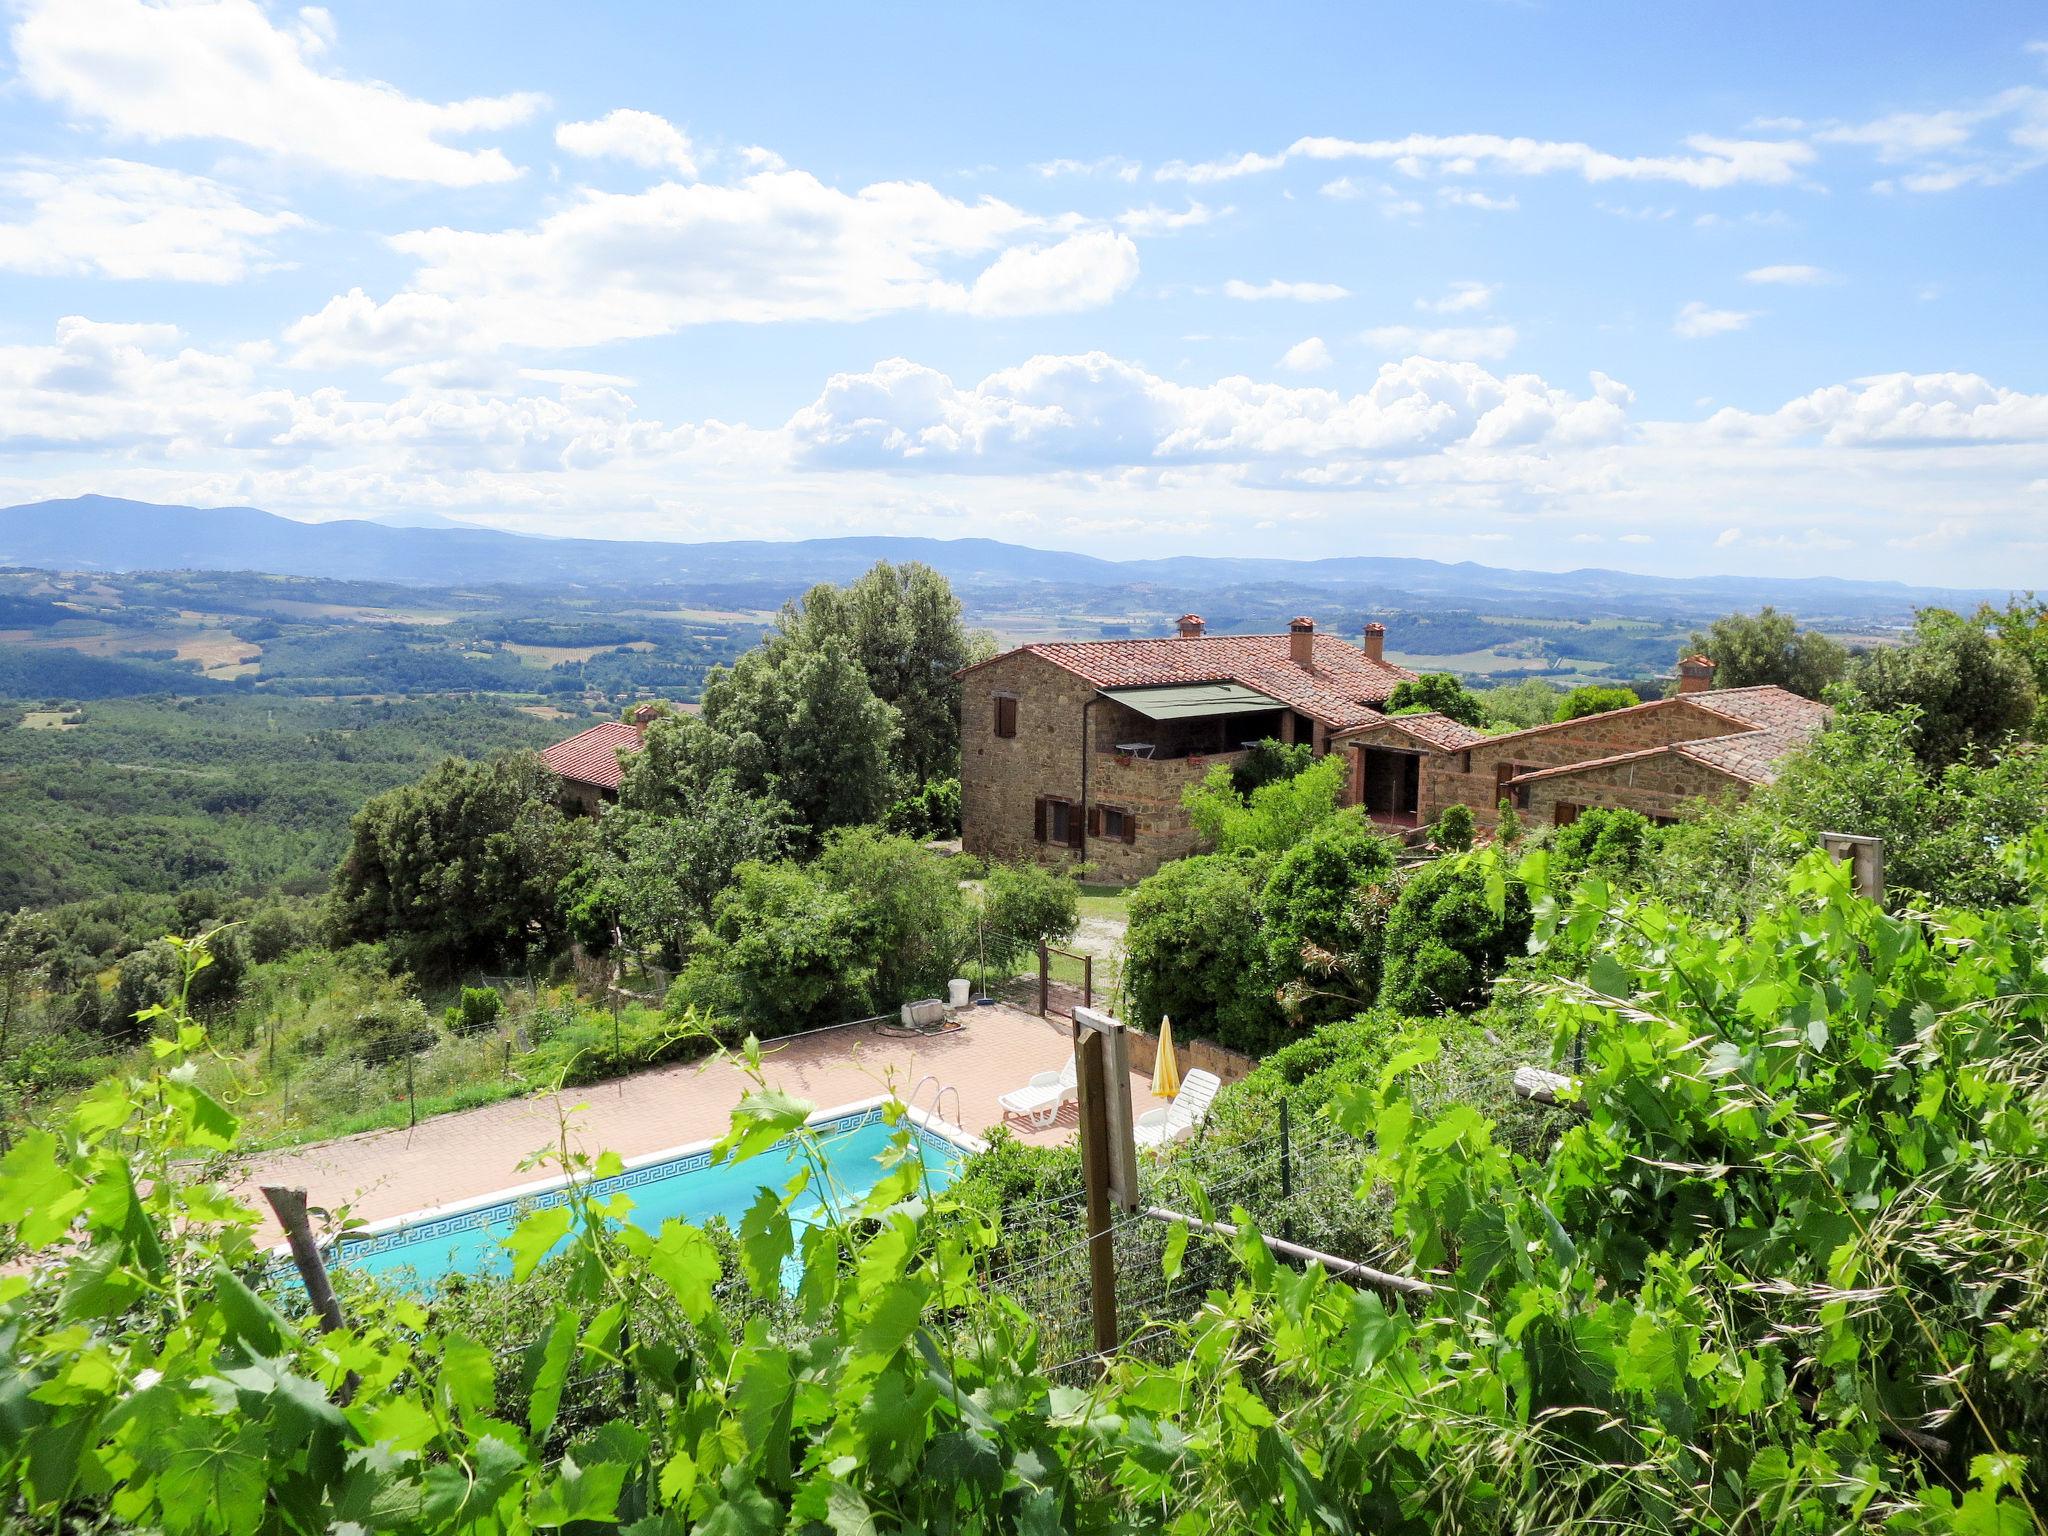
[(348, 1250)]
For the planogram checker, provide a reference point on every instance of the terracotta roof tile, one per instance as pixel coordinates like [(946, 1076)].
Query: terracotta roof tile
[(1432, 729), (1338, 690), (592, 756)]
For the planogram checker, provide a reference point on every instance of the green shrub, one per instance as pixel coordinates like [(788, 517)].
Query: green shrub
[(1617, 844), (1444, 944), (1453, 829), (1194, 952), (1268, 762), (1594, 699), (476, 1013), (1025, 905), (1322, 941), (1273, 817)]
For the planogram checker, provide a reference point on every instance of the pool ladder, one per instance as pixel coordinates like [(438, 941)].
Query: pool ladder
[(937, 1111)]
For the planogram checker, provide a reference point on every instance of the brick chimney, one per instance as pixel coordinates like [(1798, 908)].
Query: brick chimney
[(643, 716), (1301, 644), (1375, 641), (1696, 674), (1191, 627)]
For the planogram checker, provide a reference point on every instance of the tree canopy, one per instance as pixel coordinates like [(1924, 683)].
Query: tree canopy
[(1594, 699), (1970, 692), (902, 624), (460, 869), (1769, 647), (1439, 692)]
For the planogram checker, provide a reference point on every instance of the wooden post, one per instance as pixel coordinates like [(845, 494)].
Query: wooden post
[(1088, 981), (1109, 1156), (1865, 858), (289, 1206), (1286, 1172), (1044, 979)]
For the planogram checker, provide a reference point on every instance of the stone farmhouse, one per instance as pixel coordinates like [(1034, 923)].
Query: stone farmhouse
[(1702, 743), (591, 763), (1081, 749)]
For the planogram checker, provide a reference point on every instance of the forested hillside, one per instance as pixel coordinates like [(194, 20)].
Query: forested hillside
[(224, 791)]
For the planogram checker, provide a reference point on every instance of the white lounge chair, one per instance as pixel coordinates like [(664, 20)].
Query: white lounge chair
[(1040, 1099), (1158, 1128)]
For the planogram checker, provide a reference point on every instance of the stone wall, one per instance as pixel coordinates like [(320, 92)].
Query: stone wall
[(1193, 1055), (1002, 779), (1470, 777), (1656, 786)]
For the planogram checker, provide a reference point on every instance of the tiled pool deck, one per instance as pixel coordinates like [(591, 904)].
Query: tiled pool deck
[(461, 1156)]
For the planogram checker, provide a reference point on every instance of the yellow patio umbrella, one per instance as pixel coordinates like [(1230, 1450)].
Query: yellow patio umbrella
[(1165, 1069)]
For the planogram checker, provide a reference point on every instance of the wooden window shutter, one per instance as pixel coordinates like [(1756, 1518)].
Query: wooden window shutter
[(1006, 715), (1095, 821), (1073, 828), (1502, 772), (1130, 827), (1038, 818)]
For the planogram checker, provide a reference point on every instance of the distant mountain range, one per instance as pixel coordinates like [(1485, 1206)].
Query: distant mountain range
[(88, 533)]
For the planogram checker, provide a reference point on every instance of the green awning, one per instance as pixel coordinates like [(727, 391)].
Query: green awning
[(1186, 701)]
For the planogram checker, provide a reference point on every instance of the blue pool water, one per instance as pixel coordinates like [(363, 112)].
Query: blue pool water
[(688, 1188)]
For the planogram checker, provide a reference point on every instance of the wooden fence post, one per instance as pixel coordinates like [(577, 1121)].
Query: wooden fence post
[(1109, 1156), (1044, 979), (289, 1206)]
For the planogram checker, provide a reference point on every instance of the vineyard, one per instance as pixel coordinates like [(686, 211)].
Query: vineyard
[(1781, 1272)]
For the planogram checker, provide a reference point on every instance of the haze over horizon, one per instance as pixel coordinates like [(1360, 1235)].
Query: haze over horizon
[(1753, 293)]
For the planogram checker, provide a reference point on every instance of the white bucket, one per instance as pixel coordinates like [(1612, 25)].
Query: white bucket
[(956, 992)]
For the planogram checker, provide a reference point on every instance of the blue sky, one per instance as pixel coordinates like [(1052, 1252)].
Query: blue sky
[(1744, 288)]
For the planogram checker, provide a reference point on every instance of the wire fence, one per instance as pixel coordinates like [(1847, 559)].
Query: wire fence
[(1041, 1261)]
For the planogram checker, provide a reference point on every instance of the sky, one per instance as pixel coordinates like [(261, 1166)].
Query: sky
[(1746, 288)]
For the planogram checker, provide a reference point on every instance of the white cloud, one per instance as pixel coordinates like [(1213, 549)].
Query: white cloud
[(775, 246), (1472, 197), (1790, 275), (219, 69), (1309, 356), (1986, 142), (1083, 271), (1897, 410), (626, 133), (1464, 342), (1713, 162), (1152, 220), (121, 219), (1305, 293), (1727, 537), (1100, 411), (1107, 165), (1461, 298), (1057, 451), (1697, 320)]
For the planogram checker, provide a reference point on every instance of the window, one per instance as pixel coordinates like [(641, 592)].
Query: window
[(1566, 813), (1006, 714), (1116, 824), (1519, 795), (1055, 822)]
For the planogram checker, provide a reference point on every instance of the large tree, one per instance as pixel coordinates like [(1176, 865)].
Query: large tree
[(461, 868), (1769, 647), (902, 624), (809, 715), (1436, 692), (1970, 692), (2022, 628)]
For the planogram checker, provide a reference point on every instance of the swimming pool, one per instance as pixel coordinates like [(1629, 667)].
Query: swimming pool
[(683, 1183)]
